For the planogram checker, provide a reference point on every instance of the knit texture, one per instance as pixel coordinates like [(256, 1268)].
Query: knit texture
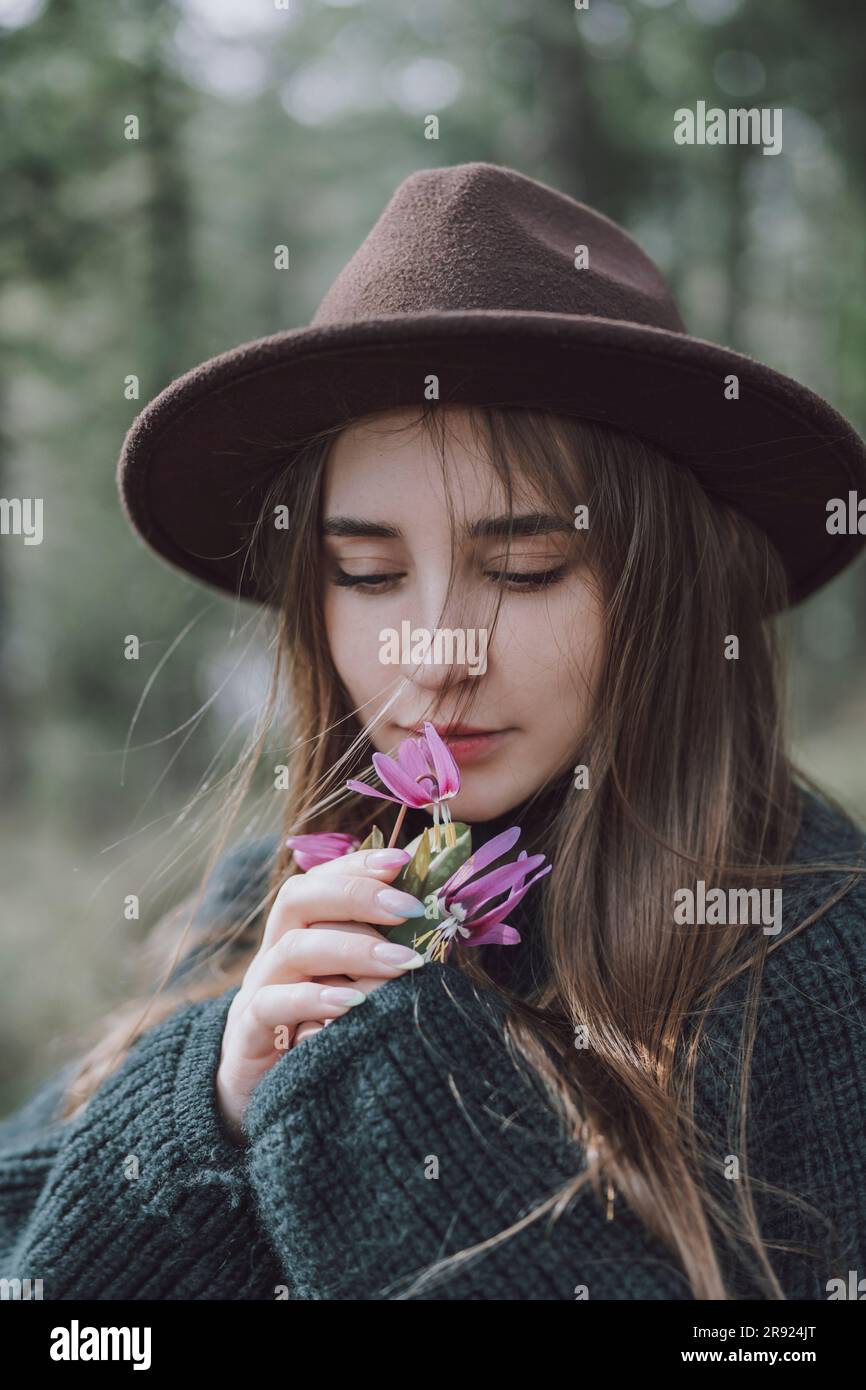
[(142, 1196), (404, 1132)]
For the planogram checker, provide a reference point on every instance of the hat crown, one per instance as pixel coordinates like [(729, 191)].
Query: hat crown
[(467, 291), (479, 236)]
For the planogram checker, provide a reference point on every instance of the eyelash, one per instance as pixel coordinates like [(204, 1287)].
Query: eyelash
[(525, 583)]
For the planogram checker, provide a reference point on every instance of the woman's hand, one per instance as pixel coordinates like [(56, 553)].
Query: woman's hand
[(318, 943)]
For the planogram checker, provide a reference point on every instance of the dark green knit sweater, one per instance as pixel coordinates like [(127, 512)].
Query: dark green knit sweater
[(143, 1196)]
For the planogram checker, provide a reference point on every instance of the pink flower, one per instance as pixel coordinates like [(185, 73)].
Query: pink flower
[(319, 849), (424, 774), (463, 897)]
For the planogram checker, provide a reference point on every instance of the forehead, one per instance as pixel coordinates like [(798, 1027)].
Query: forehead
[(392, 463)]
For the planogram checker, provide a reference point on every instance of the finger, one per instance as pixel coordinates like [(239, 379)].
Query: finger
[(364, 982), (382, 865), (333, 980), (306, 1030), (382, 862), (307, 898), (273, 1014), (307, 955), (264, 968)]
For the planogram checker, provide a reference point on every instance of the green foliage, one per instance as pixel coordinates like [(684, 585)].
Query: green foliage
[(375, 840), (429, 868), (425, 873)]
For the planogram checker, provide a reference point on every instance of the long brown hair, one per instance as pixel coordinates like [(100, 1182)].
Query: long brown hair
[(688, 779)]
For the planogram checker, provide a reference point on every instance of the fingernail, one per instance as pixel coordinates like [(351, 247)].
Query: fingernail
[(335, 994), (399, 904), (392, 954), (387, 858)]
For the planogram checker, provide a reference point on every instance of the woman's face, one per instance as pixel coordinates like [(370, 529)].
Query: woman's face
[(535, 684)]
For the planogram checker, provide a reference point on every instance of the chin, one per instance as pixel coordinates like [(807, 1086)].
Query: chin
[(473, 810)]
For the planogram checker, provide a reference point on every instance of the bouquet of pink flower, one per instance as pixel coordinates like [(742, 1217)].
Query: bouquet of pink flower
[(446, 877)]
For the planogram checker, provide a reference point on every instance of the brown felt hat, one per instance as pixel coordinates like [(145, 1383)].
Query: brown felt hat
[(474, 274)]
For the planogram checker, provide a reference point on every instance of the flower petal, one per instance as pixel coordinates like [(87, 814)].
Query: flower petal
[(412, 757), (326, 839), (366, 790), (497, 914), (444, 765), (481, 890), (310, 850), (398, 781), (481, 857), (500, 934)]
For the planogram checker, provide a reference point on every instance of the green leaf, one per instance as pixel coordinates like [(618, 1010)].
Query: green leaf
[(375, 839), (427, 870), (411, 879), (407, 932), (424, 874), (448, 860)]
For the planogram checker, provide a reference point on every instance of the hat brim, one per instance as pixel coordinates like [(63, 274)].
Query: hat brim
[(195, 461)]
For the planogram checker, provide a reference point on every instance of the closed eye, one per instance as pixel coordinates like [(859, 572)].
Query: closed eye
[(518, 580)]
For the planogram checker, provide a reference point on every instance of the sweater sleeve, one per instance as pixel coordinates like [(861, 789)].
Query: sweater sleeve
[(141, 1195), (403, 1133)]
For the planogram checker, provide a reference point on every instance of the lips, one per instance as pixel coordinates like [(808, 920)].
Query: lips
[(455, 731), (470, 748)]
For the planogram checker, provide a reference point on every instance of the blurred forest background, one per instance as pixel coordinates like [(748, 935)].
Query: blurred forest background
[(263, 124)]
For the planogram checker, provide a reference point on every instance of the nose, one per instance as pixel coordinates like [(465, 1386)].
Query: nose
[(433, 653)]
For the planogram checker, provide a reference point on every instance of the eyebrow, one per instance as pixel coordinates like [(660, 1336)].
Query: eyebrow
[(530, 524)]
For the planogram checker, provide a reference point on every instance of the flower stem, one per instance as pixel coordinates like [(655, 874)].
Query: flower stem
[(399, 821)]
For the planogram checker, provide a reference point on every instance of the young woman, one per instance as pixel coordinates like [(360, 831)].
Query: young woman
[(644, 1099)]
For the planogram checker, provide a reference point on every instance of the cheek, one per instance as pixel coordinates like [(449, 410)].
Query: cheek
[(553, 650), (344, 639), (354, 645), (586, 642), (589, 637)]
